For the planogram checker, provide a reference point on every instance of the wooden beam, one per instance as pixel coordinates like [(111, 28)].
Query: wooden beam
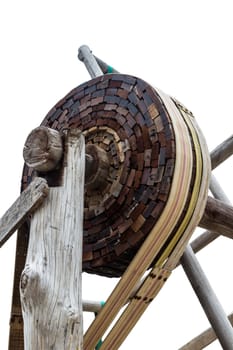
[(85, 55), (218, 217), (204, 339), (222, 152), (27, 202), (203, 240), (92, 306), (208, 236), (207, 298), (218, 155), (217, 190), (50, 285)]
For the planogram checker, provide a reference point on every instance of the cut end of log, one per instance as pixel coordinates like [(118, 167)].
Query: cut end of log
[(43, 149)]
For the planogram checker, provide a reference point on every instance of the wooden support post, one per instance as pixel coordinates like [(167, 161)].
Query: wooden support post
[(208, 299), (50, 285)]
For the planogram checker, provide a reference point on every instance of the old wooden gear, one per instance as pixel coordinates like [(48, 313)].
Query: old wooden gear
[(154, 155)]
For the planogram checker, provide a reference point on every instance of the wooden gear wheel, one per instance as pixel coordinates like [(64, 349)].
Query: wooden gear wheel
[(152, 157)]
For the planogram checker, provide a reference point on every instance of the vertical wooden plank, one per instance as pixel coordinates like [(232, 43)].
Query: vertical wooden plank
[(16, 339), (50, 285)]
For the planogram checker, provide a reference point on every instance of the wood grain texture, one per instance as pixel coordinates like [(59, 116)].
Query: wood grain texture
[(50, 284), (43, 149), (222, 152), (218, 217), (28, 201)]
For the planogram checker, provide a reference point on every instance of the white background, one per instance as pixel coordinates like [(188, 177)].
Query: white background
[(182, 47)]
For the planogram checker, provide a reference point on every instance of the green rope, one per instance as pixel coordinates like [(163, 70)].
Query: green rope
[(109, 69), (98, 345)]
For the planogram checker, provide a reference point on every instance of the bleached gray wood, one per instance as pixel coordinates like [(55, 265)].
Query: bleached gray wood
[(203, 240), (29, 200), (222, 152), (204, 339), (212, 307), (208, 236), (217, 190), (85, 55), (43, 149), (92, 306), (50, 285)]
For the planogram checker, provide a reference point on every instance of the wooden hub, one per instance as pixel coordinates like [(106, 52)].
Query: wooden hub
[(129, 132)]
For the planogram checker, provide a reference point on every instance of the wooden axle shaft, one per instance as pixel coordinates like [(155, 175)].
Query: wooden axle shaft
[(43, 151), (218, 217)]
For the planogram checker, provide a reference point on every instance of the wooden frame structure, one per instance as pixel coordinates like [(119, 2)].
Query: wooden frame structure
[(131, 289)]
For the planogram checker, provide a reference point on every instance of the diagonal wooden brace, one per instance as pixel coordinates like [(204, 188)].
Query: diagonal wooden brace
[(29, 200)]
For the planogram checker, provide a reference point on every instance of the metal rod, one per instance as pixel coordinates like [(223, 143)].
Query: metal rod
[(212, 307), (85, 55)]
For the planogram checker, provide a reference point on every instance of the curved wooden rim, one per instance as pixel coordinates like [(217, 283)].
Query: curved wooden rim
[(175, 205)]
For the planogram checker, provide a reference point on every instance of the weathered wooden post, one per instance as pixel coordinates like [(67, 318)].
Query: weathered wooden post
[(50, 284)]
